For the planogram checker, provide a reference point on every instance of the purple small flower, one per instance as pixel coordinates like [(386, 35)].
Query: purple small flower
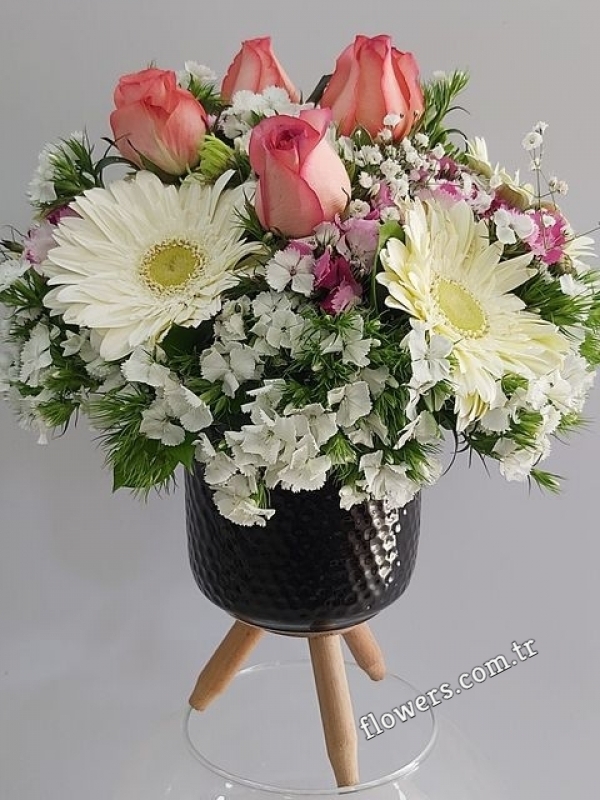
[(40, 239), (343, 298), (361, 237), (335, 273)]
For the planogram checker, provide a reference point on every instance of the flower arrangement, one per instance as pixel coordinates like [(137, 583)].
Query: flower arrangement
[(291, 291)]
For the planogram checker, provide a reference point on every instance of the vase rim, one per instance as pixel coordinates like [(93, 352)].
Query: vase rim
[(401, 772)]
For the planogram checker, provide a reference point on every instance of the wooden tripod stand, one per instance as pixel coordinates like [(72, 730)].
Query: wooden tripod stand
[(331, 682)]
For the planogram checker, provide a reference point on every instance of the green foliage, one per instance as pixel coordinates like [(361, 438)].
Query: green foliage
[(75, 170), (137, 462), (206, 94), (26, 294), (546, 480), (57, 413), (415, 456), (68, 381), (511, 383), (590, 348), (9, 248), (252, 225), (341, 450), (440, 95), (548, 299), (571, 422)]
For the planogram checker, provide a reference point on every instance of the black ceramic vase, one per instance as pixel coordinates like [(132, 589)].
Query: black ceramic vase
[(313, 567)]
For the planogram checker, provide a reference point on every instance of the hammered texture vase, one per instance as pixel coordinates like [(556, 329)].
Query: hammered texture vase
[(313, 567)]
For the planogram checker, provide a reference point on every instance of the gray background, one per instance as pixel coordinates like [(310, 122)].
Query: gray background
[(101, 627)]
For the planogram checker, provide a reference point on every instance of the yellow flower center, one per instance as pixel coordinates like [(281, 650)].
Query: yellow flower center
[(461, 308), (172, 264)]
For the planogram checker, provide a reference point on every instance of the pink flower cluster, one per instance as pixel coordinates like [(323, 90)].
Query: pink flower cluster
[(549, 236), (338, 256), (545, 230)]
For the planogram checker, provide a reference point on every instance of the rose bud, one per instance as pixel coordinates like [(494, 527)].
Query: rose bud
[(255, 68), (302, 181), (157, 120), (373, 80)]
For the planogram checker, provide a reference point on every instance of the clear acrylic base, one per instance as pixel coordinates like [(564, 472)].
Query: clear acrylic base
[(262, 740)]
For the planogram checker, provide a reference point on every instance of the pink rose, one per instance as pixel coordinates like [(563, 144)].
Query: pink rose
[(372, 80), (157, 119), (255, 68), (302, 181)]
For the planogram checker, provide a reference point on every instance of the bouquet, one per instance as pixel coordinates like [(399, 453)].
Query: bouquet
[(297, 291)]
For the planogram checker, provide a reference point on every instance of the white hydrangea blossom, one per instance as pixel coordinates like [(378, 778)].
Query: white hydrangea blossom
[(351, 496), (142, 367), (41, 188), (277, 329), (191, 411), (386, 481), (515, 463), (366, 429), (290, 267), (266, 400), (192, 69), (353, 401), (232, 364), (377, 379), (218, 465), (307, 470), (175, 411), (27, 411), (236, 500), (424, 429), (512, 225), (36, 356), (230, 325), (157, 424), (354, 349), (10, 271), (9, 355), (566, 388), (429, 356)]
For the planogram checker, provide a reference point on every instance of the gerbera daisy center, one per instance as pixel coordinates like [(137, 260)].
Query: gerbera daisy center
[(461, 308), (172, 263)]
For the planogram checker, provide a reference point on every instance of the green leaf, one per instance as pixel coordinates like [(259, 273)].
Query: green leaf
[(389, 230), (546, 480)]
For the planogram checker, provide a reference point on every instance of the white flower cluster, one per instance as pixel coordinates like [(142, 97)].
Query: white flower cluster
[(282, 445), (389, 172), (41, 188), (560, 393), (10, 271), (29, 362), (175, 409), (193, 70), (247, 108)]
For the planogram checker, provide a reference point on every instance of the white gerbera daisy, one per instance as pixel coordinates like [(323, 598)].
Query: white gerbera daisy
[(448, 276), (141, 257)]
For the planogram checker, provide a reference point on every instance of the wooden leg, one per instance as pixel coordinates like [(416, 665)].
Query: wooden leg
[(224, 664), (336, 707), (367, 653)]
